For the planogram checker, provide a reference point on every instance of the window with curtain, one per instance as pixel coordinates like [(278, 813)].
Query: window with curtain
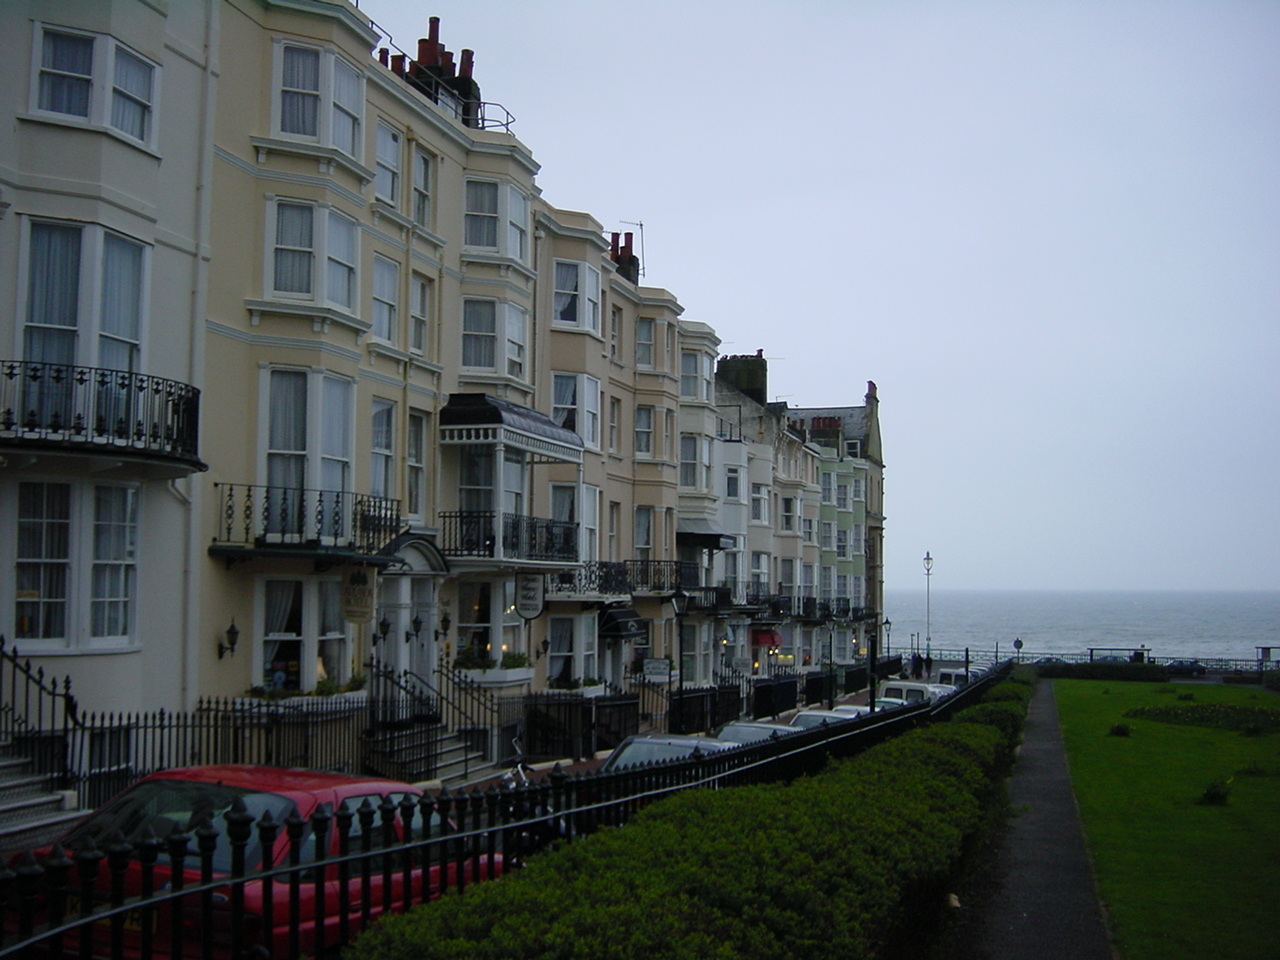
[(321, 98), (517, 224), (479, 333), (560, 650), (53, 293), (644, 533), (644, 342), (419, 312), (689, 375), (564, 402), (386, 289), (644, 431), (577, 295), (517, 331), (481, 217), (386, 178), (382, 465), (416, 457), (75, 563), (300, 91), (294, 248), (342, 254), (115, 536), (421, 188), (575, 405), (688, 460), (74, 65)]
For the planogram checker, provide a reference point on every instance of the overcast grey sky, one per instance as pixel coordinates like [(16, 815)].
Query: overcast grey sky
[(1049, 231)]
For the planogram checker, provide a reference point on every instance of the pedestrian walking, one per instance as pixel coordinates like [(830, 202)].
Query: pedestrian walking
[(928, 665)]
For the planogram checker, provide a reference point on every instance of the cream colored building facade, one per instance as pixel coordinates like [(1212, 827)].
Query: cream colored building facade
[(441, 422)]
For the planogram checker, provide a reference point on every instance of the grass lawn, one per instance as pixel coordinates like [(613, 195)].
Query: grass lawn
[(1180, 879)]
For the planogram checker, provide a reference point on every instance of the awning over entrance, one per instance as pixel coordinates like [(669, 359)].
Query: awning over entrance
[(766, 638), (480, 418), (698, 532), (621, 623)]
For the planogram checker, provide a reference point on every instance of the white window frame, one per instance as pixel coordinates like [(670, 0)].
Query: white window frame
[(643, 533), (510, 209), (90, 329), (615, 418), (474, 333), (100, 549), (857, 541), (842, 496), (581, 412), (327, 432), (689, 460), (576, 296), (842, 543), (644, 417), (382, 449), (828, 487), (415, 498), (386, 298), (828, 541), (807, 530), (327, 225), (688, 375), (787, 518), (103, 91), (760, 503), (517, 335), (859, 488), (339, 115), (421, 289), (386, 166), (733, 483), (423, 163), (645, 334)]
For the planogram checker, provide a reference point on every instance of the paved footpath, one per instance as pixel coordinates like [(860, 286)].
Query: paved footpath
[(1037, 899)]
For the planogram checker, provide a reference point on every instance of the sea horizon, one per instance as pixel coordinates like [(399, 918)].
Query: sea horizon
[(1228, 624)]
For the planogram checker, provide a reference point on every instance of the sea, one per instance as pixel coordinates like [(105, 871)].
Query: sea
[(1215, 625)]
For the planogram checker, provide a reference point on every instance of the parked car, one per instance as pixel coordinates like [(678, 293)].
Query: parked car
[(751, 731), (1050, 660), (1111, 658), (1185, 668), (912, 691), (657, 747), (852, 709), (191, 799), (816, 718), (890, 703)]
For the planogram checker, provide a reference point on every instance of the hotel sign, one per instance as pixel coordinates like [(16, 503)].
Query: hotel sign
[(531, 595)]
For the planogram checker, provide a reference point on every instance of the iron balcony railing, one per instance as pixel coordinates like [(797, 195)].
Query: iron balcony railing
[(91, 408), (507, 536), (594, 578), (264, 518), (661, 576)]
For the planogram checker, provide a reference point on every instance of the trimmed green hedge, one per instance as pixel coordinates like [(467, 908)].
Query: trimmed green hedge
[(1148, 672), (838, 864)]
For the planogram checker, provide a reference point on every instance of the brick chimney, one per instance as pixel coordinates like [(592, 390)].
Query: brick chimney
[(749, 374)]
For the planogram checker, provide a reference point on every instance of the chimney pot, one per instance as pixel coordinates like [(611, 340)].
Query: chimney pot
[(384, 57), (613, 246), (397, 64), (467, 64)]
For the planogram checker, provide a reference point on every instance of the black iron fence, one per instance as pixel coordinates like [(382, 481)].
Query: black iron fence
[(329, 876), (265, 517), (472, 533), (92, 408)]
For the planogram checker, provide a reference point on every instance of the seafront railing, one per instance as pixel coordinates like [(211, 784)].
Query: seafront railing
[(1213, 665)]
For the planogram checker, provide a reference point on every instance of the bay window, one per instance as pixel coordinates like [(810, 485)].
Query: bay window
[(308, 449), (306, 234), (488, 206), (576, 406), (95, 79), (486, 345), (304, 634), (382, 454), (421, 212), (644, 342), (321, 98), (644, 431), (74, 562), (420, 291), (416, 458), (577, 295), (386, 176)]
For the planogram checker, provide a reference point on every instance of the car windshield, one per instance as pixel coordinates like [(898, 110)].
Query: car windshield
[(650, 751), (745, 733), (168, 805)]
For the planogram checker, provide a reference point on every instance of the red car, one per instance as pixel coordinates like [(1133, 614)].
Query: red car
[(190, 798)]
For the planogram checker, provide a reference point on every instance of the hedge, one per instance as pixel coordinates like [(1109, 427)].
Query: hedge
[(1096, 670), (838, 864)]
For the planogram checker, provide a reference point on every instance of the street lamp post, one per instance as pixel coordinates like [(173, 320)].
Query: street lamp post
[(679, 606), (928, 607)]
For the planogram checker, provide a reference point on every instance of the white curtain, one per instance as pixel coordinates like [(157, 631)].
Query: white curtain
[(479, 321), (300, 96), (566, 305), (53, 302), (346, 108), (564, 409), (66, 80), (342, 259), (131, 99), (481, 224), (294, 245), (282, 597)]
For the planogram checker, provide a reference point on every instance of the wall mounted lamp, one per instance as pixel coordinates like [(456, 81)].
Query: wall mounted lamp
[(413, 633), (233, 637), (443, 630), (384, 628)]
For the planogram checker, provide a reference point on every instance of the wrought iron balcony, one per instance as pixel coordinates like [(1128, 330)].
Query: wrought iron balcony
[(294, 521), (507, 536), (111, 412), (661, 576), (594, 579)]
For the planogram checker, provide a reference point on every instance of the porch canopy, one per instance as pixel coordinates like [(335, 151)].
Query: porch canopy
[(621, 623), (477, 418), (699, 532)]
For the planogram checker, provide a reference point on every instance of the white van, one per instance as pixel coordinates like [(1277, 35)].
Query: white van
[(957, 676), (913, 692)]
